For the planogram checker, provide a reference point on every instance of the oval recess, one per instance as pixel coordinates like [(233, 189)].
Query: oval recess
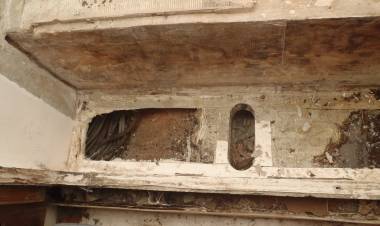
[(241, 137)]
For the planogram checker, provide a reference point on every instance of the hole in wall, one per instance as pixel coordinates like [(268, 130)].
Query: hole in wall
[(358, 145), (143, 134), (242, 137)]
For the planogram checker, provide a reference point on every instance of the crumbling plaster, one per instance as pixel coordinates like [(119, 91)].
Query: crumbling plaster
[(301, 123)]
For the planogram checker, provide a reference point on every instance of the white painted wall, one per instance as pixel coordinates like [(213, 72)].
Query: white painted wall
[(32, 133)]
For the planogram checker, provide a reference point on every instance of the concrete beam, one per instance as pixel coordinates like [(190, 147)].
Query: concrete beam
[(20, 69), (131, 13)]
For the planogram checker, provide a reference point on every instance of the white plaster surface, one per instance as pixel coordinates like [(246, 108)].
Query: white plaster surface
[(32, 133), (263, 144), (221, 153), (323, 3)]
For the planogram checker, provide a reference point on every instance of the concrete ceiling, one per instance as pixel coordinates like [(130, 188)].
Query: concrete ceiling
[(324, 53)]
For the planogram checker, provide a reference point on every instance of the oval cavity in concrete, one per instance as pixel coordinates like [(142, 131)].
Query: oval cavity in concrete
[(242, 137)]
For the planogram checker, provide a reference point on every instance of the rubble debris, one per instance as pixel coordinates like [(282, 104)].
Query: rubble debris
[(144, 134), (367, 207), (329, 158), (306, 127), (375, 93), (343, 206), (242, 137), (299, 111), (358, 145), (355, 97)]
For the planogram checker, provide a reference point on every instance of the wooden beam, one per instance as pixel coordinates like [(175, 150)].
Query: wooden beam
[(228, 214), (19, 195), (251, 206), (296, 187)]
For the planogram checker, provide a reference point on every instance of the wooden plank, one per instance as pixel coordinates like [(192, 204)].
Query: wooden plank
[(335, 210), (227, 214), (296, 187), (19, 195), (223, 170)]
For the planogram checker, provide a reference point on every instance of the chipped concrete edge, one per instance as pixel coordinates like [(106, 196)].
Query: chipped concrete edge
[(25, 72), (73, 10), (70, 15)]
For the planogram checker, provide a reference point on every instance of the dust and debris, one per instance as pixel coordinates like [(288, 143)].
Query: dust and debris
[(242, 138), (220, 203), (311, 174), (144, 134), (96, 221), (343, 206), (367, 207), (355, 97), (306, 127), (358, 145), (324, 3), (375, 93), (92, 3), (329, 158), (299, 111)]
